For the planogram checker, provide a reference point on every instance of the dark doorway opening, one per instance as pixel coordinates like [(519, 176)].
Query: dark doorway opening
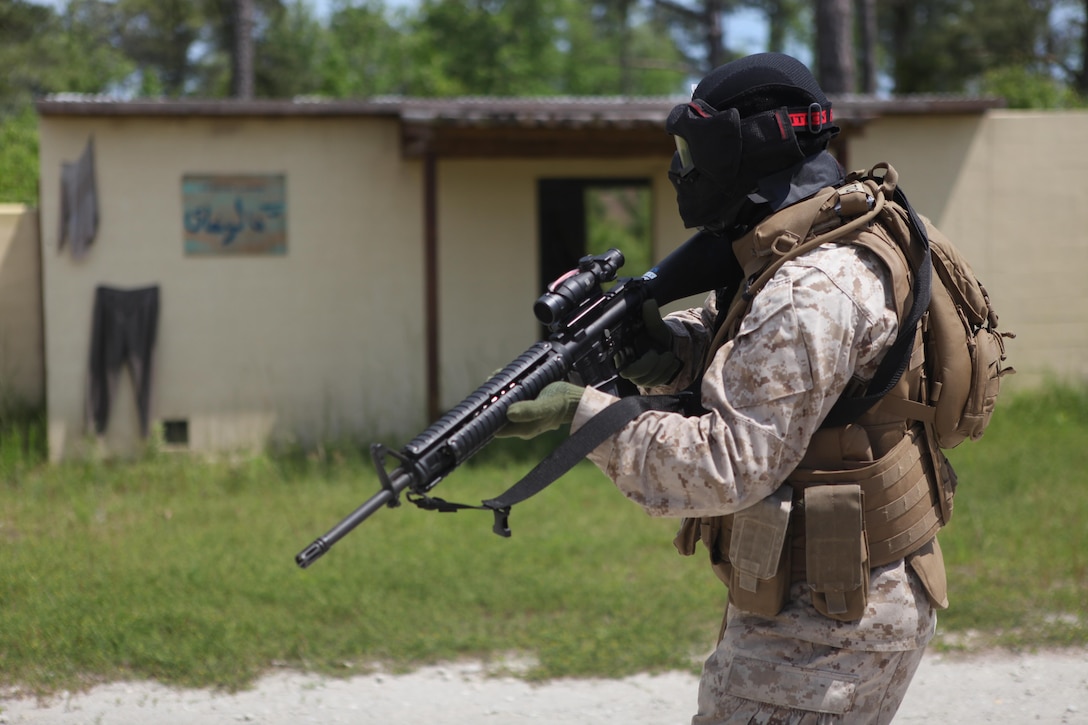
[(589, 216)]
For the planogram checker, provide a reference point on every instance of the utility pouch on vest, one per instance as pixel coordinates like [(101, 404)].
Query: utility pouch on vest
[(760, 577), (928, 565), (714, 532), (836, 556), (687, 536)]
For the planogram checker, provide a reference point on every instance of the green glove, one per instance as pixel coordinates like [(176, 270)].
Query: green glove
[(554, 407), (658, 365)]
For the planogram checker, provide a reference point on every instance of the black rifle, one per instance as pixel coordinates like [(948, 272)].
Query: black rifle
[(591, 330)]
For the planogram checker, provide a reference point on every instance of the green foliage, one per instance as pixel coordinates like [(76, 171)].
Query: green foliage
[(43, 52), (22, 440), (609, 53), (287, 54), (1023, 88), (483, 47), (499, 47), (619, 217), (158, 36), (941, 46), (366, 53), (19, 157), (183, 572), (1017, 546)]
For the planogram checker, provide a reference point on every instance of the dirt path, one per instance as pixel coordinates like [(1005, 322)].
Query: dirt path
[(1047, 687)]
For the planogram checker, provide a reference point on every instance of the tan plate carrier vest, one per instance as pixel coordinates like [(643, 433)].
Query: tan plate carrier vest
[(865, 494)]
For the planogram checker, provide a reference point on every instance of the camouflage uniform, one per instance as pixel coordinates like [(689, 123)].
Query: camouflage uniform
[(823, 320)]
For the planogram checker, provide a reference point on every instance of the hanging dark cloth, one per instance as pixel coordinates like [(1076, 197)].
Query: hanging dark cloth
[(123, 331), (78, 203)]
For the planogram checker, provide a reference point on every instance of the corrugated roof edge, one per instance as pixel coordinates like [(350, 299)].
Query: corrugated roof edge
[(481, 110)]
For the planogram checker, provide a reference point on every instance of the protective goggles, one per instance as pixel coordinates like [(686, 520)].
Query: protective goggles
[(683, 151), (813, 119)]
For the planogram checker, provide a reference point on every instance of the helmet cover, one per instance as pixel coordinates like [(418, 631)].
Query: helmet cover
[(748, 118)]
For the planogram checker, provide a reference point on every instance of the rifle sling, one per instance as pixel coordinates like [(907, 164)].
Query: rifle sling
[(573, 449), (596, 430)]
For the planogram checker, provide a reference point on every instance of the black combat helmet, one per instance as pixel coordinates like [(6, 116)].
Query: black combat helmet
[(747, 120)]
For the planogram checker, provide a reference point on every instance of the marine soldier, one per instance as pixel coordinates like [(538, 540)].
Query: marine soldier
[(823, 526)]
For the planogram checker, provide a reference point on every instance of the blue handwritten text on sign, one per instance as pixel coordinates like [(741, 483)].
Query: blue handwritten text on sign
[(234, 214)]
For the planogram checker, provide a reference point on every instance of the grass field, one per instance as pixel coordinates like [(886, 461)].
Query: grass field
[(183, 570)]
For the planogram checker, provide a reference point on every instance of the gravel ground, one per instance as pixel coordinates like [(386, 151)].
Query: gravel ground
[(1048, 687)]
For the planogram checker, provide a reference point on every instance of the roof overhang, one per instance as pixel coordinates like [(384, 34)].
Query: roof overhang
[(485, 127)]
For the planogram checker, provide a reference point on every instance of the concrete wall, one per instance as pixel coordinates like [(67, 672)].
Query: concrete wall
[(323, 342), (22, 360), (327, 341), (1009, 189)]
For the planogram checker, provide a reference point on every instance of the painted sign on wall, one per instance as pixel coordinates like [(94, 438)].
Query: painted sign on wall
[(227, 214)]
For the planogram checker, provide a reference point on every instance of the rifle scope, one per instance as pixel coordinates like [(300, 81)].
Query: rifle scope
[(576, 286)]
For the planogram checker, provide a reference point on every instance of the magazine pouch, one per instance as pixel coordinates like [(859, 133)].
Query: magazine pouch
[(760, 577), (836, 555)]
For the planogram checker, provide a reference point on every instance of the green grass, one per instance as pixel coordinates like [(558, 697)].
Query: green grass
[(183, 571), (1017, 546)]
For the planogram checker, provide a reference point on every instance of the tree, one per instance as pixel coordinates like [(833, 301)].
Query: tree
[(835, 46), (288, 46), (21, 52), (539, 47), (491, 47), (945, 46), (19, 156), (158, 35), (618, 48), (867, 42), (365, 52), (43, 52), (786, 20), (1080, 75), (241, 56), (1025, 88), (700, 25)]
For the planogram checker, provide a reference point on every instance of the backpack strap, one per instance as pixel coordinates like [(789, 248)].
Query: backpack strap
[(848, 409), (808, 229)]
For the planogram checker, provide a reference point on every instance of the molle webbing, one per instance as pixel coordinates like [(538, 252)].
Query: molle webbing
[(900, 512)]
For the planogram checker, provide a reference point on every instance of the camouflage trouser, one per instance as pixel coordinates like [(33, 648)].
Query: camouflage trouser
[(756, 677)]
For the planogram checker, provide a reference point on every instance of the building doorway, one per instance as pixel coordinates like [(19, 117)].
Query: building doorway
[(590, 216)]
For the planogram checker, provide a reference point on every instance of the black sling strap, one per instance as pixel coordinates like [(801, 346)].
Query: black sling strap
[(579, 445), (573, 449)]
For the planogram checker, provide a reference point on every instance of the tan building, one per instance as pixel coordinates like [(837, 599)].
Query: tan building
[(346, 270), (22, 369)]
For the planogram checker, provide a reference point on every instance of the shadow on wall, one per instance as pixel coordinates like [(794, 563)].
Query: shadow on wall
[(22, 354)]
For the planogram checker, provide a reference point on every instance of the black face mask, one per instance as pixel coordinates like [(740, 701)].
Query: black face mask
[(702, 202), (705, 176), (721, 158)]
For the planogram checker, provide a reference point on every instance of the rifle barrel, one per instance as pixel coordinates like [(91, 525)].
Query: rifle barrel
[(399, 480)]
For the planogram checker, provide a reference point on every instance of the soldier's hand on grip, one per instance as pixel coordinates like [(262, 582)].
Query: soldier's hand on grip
[(658, 365)]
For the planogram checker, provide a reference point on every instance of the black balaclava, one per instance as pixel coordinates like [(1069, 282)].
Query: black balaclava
[(753, 127)]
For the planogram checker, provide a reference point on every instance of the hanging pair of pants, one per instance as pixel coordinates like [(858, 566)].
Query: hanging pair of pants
[(122, 334)]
